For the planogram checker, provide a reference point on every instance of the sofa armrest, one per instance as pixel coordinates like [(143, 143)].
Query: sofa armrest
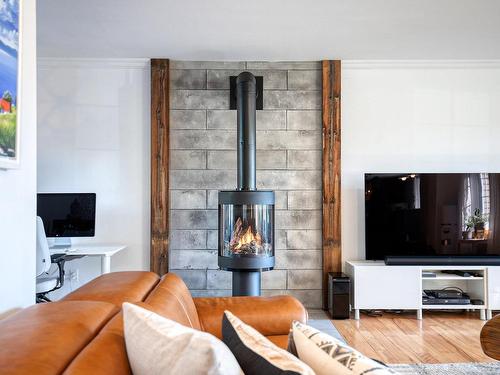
[(268, 315), (490, 338)]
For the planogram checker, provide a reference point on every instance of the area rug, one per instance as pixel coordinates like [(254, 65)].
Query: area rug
[(449, 369)]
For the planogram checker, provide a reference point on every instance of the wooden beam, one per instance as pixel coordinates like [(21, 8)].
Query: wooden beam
[(332, 256), (160, 135)]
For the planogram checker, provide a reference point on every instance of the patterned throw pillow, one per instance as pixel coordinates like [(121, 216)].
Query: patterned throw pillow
[(326, 355), (256, 354)]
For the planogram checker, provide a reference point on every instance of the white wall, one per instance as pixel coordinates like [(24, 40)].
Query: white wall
[(93, 136), (414, 116), (396, 116), (18, 187)]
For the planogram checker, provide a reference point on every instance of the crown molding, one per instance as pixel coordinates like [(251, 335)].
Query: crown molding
[(144, 63), (89, 63), (420, 64)]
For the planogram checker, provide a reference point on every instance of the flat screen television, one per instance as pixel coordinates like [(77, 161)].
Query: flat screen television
[(67, 214), (433, 218)]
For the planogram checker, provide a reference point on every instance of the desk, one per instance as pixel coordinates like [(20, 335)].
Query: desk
[(103, 251)]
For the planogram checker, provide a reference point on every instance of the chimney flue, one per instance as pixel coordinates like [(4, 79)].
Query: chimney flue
[(246, 99)]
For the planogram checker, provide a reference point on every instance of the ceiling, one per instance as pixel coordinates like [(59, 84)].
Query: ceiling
[(270, 29)]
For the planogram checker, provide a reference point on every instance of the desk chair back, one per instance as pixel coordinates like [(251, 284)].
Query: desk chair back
[(43, 260)]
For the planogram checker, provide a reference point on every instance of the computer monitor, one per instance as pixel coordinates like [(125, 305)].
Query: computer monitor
[(67, 214)]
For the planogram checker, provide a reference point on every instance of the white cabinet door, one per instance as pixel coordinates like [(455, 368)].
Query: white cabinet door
[(387, 287), (494, 288)]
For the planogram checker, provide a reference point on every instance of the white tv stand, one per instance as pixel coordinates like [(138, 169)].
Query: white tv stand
[(377, 286)]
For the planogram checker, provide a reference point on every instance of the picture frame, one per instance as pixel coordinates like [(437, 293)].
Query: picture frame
[(10, 83)]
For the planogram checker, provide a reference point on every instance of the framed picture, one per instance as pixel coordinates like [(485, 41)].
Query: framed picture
[(9, 83)]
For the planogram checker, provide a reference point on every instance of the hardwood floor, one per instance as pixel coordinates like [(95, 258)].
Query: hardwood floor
[(440, 337)]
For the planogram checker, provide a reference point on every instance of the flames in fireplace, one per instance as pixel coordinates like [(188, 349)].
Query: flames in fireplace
[(244, 241)]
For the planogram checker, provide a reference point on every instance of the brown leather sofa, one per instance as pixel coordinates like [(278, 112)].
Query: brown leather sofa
[(83, 333)]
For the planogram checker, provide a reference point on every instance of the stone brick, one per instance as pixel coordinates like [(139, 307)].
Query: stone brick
[(196, 179), (304, 279), (281, 200), (284, 65), (188, 119), (203, 139), (178, 64), (295, 260), (276, 99), (304, 120), (194, 219), (211, 293), (200, 99), (273, 292), (275, 279), (194, 279), (213, 199), (273, 79), (193, 259), (304, 200), (188, 159), (188, 239), (218, 279), (299, 159), (298, 219), (266, 120), (212, 239), (289, 180), (266, 159), (309, 298), (188, 199), (304, 80), (280, 239), (286, 140), (304, 239), (188, 79)]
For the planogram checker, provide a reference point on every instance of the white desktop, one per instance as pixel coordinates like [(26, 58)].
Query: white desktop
[(105, 252)]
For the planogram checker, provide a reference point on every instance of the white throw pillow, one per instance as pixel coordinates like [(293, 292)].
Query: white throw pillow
[(157, 345), (326, 355)]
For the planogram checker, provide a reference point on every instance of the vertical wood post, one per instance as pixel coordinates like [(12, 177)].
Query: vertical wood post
[(332, 256), (160, 135)]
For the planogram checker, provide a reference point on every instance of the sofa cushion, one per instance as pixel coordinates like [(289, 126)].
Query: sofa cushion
[(171, 299), (116, 288), (271, 316), (44, 338), (105, 354)]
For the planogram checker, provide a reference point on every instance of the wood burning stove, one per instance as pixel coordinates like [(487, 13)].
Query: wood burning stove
[(246, 215)]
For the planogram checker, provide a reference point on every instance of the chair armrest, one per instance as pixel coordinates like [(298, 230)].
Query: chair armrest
[(268, 315), (490, 338)]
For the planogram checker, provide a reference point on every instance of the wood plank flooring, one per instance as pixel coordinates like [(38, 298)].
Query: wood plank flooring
[(441, 337)]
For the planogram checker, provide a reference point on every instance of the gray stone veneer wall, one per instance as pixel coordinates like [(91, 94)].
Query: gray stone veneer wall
[(203, 161)]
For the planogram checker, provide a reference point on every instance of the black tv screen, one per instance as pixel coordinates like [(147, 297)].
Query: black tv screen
[(432, 214), (67, 214)]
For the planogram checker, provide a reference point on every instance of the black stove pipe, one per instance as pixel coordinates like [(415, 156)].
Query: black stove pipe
[(246, 105), (246, 283)]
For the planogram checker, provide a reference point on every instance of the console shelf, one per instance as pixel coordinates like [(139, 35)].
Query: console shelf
[(447, 276), (377, 286)]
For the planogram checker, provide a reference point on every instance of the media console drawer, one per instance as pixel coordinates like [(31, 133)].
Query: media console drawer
[(394, 287)]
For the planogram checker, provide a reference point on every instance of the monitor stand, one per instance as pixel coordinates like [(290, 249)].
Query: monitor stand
[(61, 243)]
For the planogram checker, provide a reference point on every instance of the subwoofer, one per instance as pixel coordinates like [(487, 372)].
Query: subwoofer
[(339, 295)]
